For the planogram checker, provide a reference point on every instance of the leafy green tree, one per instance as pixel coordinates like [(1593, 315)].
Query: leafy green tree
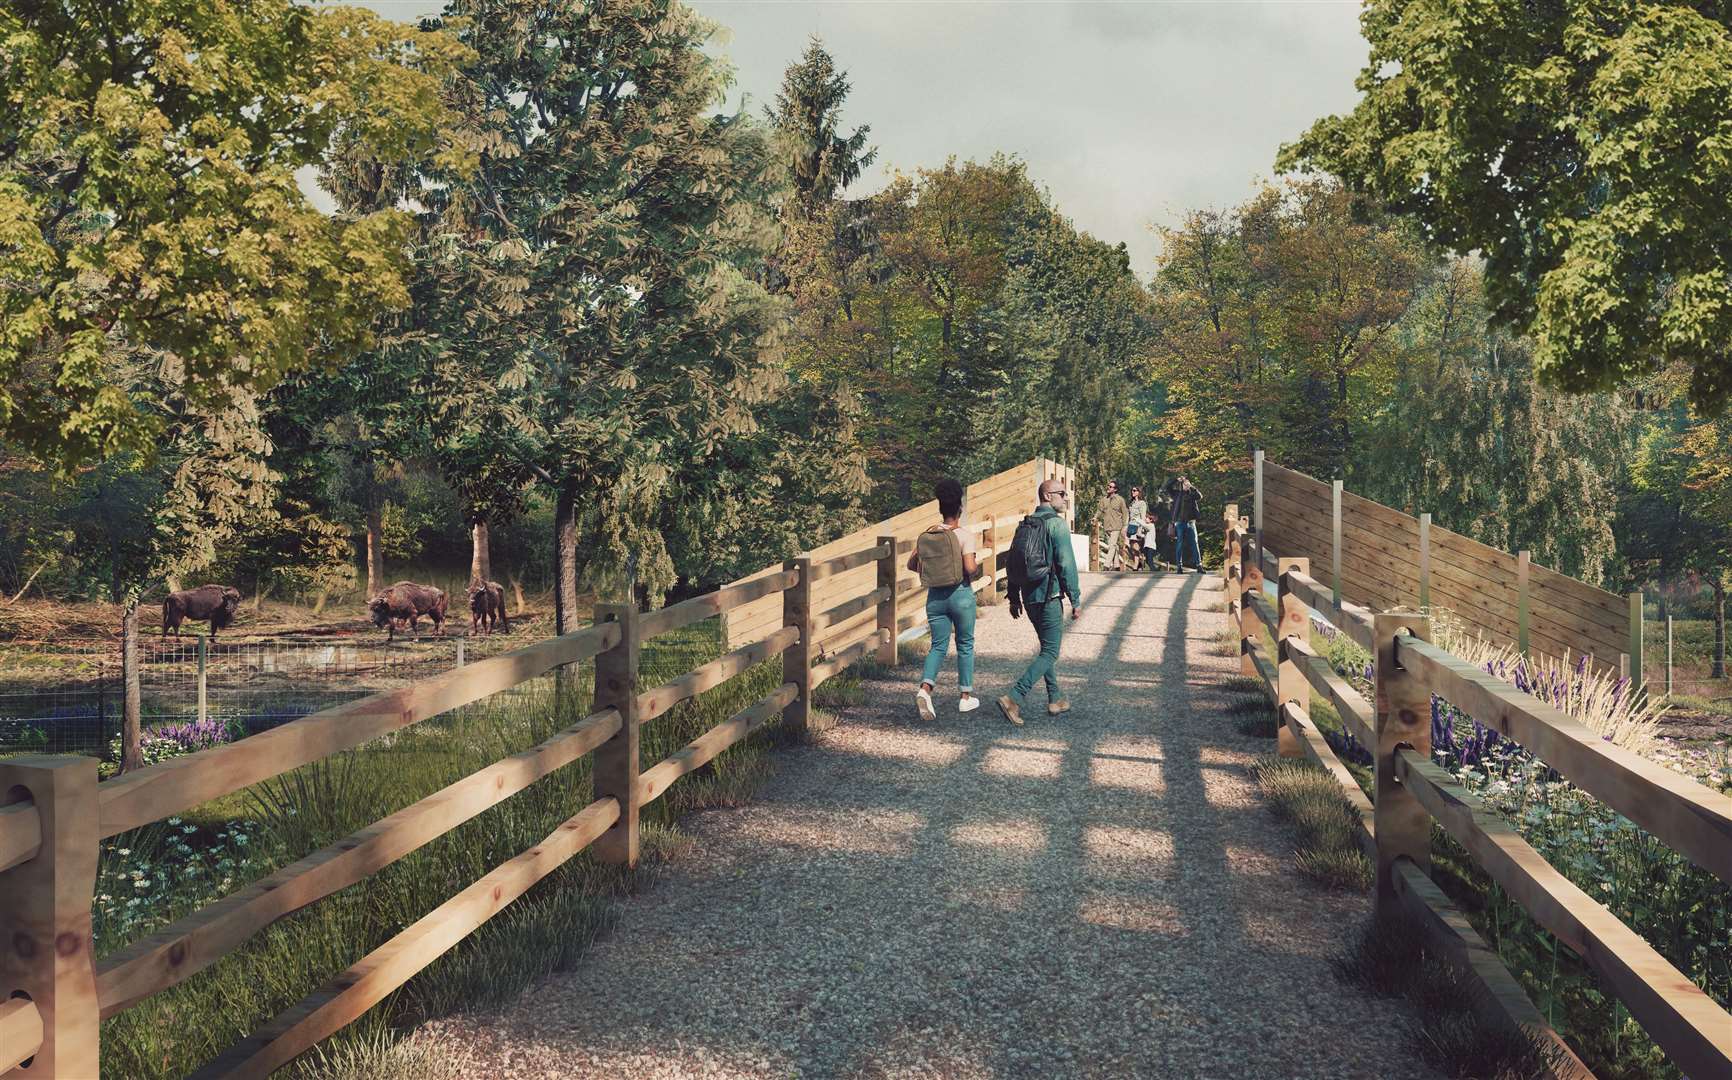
[(631, 207), (1681, 517), (1580, 148), (807, 119), (148, 202)]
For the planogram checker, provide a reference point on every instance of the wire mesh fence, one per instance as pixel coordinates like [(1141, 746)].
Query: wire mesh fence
[(70, 699)]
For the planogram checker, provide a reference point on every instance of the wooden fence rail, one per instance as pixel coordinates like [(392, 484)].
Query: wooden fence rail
[(819, 613), (1410, 791)]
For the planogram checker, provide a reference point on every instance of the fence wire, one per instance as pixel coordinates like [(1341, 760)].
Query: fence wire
[(60, 699)]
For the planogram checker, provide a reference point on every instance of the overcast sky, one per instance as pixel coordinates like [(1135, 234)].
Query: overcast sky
[(1131, 112)]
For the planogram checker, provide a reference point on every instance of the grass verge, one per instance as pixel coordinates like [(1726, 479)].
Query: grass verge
[(546, 930), (1310, 799), (1388, 957)]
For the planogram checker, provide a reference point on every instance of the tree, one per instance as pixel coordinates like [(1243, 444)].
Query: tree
[(1683, 482), (148, 201), (1580, 148), (630, 207), (807, 119)]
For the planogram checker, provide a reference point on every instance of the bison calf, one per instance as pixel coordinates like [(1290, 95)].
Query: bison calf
[(215, 603), (409, 601), (487, 608)]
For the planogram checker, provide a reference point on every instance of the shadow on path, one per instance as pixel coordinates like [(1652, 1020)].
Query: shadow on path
[(1099, 894)]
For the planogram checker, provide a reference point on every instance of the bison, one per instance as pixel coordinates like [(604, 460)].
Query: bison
[(487, 608), (407, 600), (217, 603)]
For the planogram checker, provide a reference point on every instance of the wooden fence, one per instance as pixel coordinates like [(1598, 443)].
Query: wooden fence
[(1381, 558), (826, 610), (1410, 791)]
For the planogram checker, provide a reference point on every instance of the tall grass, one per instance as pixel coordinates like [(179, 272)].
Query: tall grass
[(1328, 851), (546, 930)]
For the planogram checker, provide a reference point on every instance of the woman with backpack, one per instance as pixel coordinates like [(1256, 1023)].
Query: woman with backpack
[(944, 556)]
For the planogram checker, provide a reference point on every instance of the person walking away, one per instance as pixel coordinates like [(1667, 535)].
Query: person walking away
[(1137, 530), (1187, 508), (945, 557), (1110, 517), (1042, 571)]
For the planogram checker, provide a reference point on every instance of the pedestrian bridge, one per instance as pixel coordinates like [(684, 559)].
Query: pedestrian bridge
[(1097, 894)]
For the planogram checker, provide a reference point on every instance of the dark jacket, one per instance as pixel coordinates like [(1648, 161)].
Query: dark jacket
[(1187, 503), (1063, 578)]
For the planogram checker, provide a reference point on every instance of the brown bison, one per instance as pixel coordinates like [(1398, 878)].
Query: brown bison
[(407, 600), (217, 603), (487, 608)]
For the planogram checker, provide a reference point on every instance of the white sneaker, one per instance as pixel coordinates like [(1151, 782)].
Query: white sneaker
[(967, 704), (923, 702)]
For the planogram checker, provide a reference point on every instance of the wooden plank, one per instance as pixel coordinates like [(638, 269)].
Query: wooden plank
[(1501, 1001), (343, 1000), (713, 674), (852, 561), (191, 944), (618, 759), (1356, 713), (20, 1032), (1311, 741), (700, 751), (20, 834), (158, 791), (1694, 1031), (840, 661), (848, 609), (1687, 816), (702, 607), (1281, 476), (1265, 670), (1259, 606), (797, 662), (1350, 619)]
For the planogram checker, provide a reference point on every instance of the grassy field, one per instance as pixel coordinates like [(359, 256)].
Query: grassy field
[(152, 875)]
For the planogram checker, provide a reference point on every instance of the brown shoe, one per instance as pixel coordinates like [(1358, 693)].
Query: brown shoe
[(1010, 709), (1053, 708)]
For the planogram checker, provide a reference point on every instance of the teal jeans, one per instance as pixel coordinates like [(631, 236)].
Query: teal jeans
[(951, 607), (1047, 618)]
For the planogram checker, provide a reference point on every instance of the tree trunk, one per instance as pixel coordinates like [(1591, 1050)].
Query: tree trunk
[(1718, 670), (565, 559), (375, 550), (131, 732), (480, 569)]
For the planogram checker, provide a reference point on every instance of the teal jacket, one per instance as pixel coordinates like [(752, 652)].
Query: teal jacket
[(1063, 579)]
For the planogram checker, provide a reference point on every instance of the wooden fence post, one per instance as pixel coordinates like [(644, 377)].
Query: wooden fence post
[(797, 661), (989, 568), (617, 760), (1335, 538), (1250, 584), (1424, 560), (1523, 559), (1257, 491), (888, 615), (1231, 568), (1402, 825), (1668, 655), (1636, 682), (1295, 616), (1229, 518), (45, 942)]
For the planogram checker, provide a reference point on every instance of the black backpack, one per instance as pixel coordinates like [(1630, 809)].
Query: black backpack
[(1031, 558)]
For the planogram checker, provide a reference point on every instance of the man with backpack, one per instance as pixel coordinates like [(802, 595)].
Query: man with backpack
[(1042, 572)]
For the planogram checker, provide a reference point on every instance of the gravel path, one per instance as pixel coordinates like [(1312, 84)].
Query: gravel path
[(1100, 895)]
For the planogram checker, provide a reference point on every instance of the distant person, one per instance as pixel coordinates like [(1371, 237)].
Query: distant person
[(1187, 507), (944, 556), (1110, 518), (1137, 530), (1159, 545), (1042, 571)]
